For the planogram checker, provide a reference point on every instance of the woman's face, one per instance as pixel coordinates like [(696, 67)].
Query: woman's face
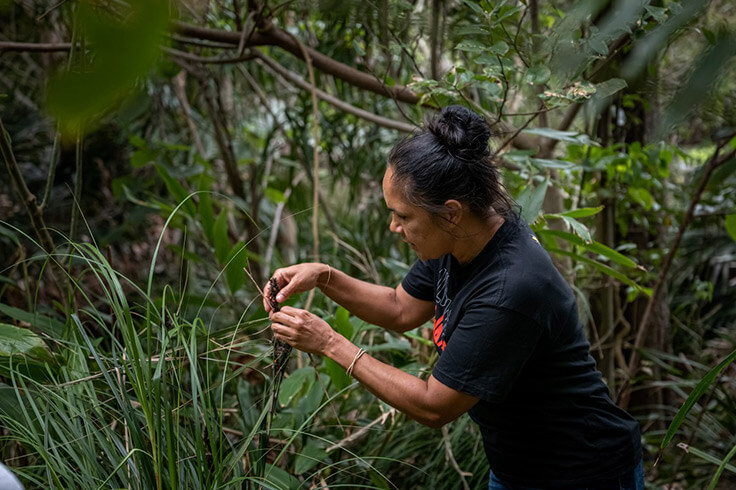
[(416, 226)]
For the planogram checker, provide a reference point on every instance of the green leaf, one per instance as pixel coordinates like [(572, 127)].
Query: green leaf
[(549, 163), (594, 247), (7, 233), (21, 341), (124, 47), (297, 380), (531, 201), (694, 396), (731, 225), (474, 5), (578, 228), (337, 374), (237, 260), (274, 195), (219, 235), (603, 268), (538, 74), (278, 479), (566, 136), (50, 326), (598, 46), (471, 46), (176, 190), (723, 465), (582, 212), (342, 323), (609, 87), (311, 454), (642, 196), (500, 48)]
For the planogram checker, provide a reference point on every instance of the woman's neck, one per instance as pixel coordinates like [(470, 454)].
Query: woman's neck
[(479, 233)]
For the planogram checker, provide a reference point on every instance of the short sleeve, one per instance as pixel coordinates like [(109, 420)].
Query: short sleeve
[(419, 282), (487, 351)]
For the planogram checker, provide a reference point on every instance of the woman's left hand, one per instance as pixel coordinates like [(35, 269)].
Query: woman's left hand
[(301, 329)]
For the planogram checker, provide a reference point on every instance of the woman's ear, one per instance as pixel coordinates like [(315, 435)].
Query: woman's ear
[(453, 211)]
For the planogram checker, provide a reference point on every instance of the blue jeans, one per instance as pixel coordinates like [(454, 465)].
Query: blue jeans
[(632, 480)]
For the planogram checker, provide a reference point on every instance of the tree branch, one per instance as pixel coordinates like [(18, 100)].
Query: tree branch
[(334, 101), (713, 164), (28, 198)]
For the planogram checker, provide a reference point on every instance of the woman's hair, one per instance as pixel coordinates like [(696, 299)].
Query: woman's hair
[(450, 159)]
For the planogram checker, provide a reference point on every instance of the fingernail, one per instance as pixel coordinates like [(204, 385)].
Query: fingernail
[(279, 297)]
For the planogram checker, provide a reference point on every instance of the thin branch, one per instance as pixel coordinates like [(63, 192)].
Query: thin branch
[(7, 47), (334, 101), (633, 366), (28, 198), (315, 156), (215, 60)]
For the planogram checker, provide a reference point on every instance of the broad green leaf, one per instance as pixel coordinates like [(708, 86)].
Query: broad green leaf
[(337, 374), (582, 212), (294, 383), (342, 323), (580, 229), (731, 225), (471, 46), (219, 235), (538, 74), (236, 261), (124, 47), (593, 246), (567, 136), (500, 48), (531, 201), (609, 87), (50, 326), (274, 195), (21, 341), (313, 398), (642, 196), (693, 398), (310, 455), (278, 479), (474, 5), (603, 268), (176, 190), (549, 163)]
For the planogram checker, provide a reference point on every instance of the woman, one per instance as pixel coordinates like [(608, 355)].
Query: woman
[(512, 351)]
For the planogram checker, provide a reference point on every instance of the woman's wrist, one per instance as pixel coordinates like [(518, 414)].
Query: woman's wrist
[(324, 276)]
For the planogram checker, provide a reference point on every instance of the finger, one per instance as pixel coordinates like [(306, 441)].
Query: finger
[(284, 317), (282, 332), (294, 312)]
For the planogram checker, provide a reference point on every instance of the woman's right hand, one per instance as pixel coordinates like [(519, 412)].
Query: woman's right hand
[(295, 279)]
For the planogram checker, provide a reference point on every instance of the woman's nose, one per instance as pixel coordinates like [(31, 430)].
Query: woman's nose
[(393, 226)]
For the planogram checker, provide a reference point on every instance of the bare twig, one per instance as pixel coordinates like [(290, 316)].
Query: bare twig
[(358, 434), (451, 457)]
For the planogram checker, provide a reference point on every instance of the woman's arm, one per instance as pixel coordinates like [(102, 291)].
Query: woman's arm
[(394, 309), (428, 402)]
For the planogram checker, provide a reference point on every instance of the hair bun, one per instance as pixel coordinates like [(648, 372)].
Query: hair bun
[(462, 131)]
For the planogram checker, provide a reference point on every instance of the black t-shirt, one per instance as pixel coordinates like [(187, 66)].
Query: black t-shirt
[(507, 330)]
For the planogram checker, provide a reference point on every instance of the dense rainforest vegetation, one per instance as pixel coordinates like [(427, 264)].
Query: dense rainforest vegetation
[(161, 158)]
